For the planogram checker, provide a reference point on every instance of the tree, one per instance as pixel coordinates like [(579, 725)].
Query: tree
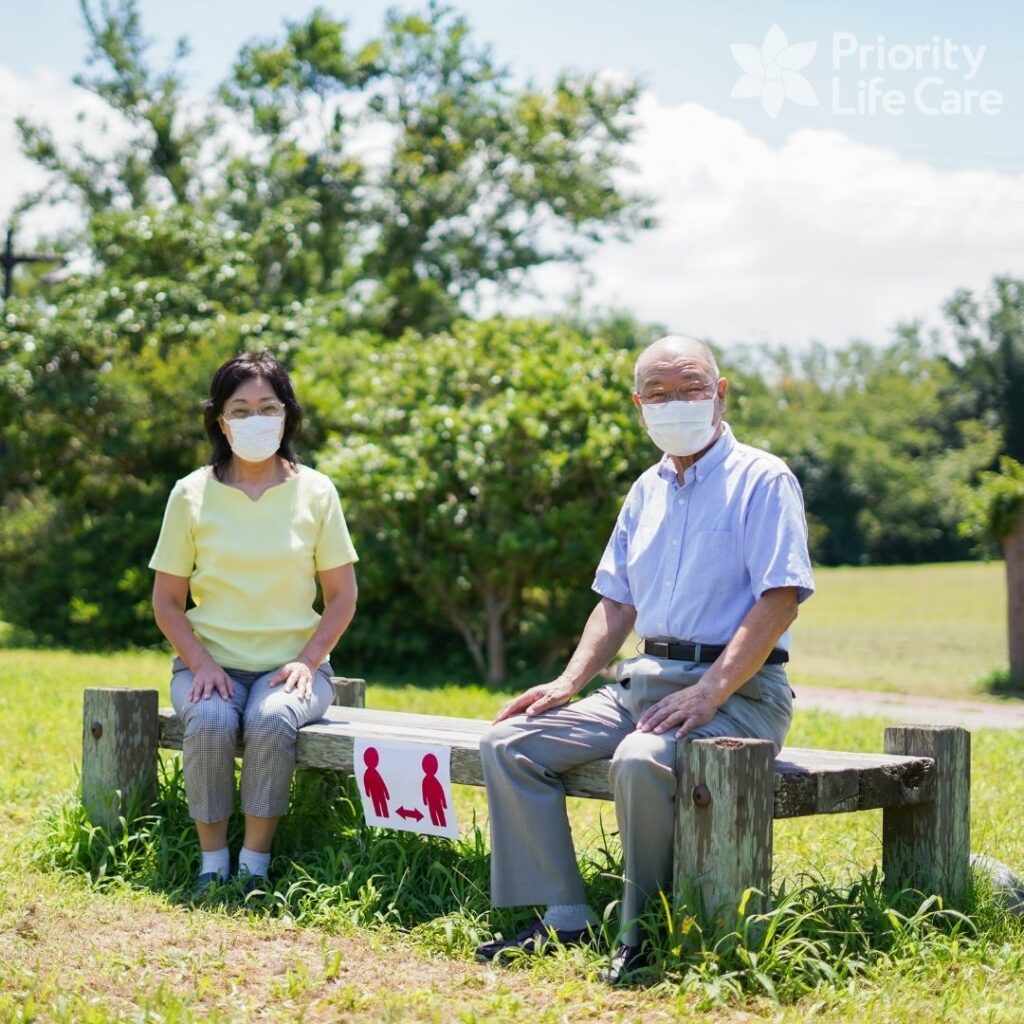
[(407, 173), (486, 465), (989, 333), (995, 511), (160, 159), (874, 441)]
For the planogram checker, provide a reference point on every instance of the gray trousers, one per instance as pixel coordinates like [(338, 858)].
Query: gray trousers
[(532, 857), (265, 719)]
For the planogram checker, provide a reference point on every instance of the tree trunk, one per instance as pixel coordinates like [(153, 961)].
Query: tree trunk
[(495, 608), (1013, 554)]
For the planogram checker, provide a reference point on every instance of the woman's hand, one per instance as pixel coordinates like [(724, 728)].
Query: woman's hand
[(208, 679), (297, 676)]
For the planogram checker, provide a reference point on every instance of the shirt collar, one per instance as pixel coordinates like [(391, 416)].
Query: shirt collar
[(705, 464)]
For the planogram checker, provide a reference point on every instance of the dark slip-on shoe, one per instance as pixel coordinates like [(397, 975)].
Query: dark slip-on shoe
[(538, 938), (625, 962)]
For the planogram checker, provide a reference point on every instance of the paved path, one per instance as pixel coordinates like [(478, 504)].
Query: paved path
[(899, 708)]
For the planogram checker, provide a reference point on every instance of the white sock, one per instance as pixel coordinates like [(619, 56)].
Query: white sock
[(252, 863), (568, 916), (216, 862)]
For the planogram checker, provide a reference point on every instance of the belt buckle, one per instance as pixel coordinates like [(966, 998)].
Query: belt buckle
[(659, 648)]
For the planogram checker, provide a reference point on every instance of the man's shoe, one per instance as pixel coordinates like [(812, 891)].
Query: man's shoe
[(538, 938), (205, 881), (625, 961)]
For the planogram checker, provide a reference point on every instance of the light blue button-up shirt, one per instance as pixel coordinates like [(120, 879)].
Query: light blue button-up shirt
[(693, 557)]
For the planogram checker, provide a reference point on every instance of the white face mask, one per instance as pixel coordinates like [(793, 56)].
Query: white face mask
[(681, 428), (255, 438)]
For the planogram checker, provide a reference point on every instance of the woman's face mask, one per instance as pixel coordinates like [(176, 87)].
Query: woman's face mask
[(256, 438)]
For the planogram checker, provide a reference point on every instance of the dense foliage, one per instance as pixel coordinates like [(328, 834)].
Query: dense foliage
[(483, 469)]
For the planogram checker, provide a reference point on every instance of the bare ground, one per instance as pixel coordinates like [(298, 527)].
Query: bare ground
[(72, 948)]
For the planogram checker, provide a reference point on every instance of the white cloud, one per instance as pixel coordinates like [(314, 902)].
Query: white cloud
[(819, 238)]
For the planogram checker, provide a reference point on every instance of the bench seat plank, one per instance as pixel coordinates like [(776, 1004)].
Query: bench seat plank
[(806, 781)]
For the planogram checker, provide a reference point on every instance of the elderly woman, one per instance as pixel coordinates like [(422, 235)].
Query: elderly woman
[(249, 536)]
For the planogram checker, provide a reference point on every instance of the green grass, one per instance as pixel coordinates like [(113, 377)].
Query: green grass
[(927, 629), (367, 925)]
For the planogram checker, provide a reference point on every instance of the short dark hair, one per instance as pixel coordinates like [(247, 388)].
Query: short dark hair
[(226, 381)]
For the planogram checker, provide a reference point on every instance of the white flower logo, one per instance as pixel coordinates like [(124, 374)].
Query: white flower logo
[(773, 72)]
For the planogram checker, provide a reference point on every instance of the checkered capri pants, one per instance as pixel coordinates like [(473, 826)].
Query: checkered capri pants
[(265, 719)]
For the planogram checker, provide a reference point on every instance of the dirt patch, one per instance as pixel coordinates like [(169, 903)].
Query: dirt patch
[(121, 951)]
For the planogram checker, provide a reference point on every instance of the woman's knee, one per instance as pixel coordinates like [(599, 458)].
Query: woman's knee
[(270, 722), (213, 718)]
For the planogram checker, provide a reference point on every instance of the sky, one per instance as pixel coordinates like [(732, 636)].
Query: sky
[(821, 172)]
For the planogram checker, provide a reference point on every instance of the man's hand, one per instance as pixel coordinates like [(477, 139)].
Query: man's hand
[(297, 676), (208, 679), (689, 709), (537, 699)]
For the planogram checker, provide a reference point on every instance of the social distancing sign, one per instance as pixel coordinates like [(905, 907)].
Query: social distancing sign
[(406, 786)]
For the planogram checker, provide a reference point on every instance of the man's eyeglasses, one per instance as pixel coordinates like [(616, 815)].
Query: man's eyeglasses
[(688, 393), (243, 412)]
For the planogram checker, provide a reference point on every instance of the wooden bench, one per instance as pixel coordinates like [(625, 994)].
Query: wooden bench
[(729, 790)]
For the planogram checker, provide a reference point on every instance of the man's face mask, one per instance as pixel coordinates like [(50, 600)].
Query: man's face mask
[(680, 428)]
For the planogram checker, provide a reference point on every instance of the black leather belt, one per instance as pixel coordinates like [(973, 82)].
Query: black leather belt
[(701, 653)]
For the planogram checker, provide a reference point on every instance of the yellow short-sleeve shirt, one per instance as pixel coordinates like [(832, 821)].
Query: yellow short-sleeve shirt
[(251, 565)]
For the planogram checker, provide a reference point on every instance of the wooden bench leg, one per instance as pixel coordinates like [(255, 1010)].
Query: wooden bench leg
[(119, 752), (723, 836), (349, 693), (928, 846)]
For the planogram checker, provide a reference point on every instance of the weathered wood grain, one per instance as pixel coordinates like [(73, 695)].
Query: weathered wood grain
[(723, 828), (349, 692), (805, 782), (928, 846), (120, 729)]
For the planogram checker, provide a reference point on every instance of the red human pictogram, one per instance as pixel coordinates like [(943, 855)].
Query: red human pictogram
[(373, 783), (433, 791)]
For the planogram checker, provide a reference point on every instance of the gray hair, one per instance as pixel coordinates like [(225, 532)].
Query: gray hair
[(681, 344)]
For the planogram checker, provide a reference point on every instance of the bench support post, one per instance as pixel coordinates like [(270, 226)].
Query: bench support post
[(119, 753), (928, 846), (723, 829), (349, 693)]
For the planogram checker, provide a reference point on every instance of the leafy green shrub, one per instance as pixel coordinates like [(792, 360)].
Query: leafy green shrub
[(481, 471)]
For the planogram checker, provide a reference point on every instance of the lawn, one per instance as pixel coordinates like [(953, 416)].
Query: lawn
[(923, 629), (80, 951)]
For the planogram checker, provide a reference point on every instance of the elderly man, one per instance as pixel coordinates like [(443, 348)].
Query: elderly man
[(707, 562)]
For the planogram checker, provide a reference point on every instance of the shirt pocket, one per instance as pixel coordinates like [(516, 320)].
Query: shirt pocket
[(720, 561)]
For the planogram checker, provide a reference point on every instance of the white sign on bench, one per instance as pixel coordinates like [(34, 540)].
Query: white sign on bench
[(406, 786)]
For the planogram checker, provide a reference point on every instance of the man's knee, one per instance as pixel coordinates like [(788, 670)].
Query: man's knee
[(643, 755), (500, 741)]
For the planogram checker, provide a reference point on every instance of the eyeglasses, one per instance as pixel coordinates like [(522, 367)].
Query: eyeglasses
[(688, 393), (243, 412)]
